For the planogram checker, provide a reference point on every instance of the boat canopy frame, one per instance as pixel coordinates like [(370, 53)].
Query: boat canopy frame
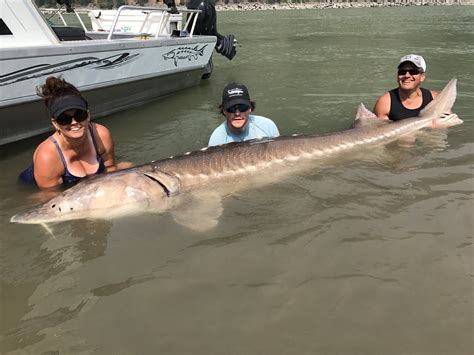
[(191, 20)]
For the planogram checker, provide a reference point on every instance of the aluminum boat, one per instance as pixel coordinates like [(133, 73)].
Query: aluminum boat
[(114, 70)]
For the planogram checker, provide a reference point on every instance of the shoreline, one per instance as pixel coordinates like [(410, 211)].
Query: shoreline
[(255, 6)]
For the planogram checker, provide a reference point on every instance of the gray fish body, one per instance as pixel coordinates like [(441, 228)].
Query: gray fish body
[(155, 186)]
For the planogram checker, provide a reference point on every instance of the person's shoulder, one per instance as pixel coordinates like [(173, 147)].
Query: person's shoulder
[(101, 130), (46, 149), (433, 93), (218, 136), (46, 154), (261, 119), (266, 125), (103, 138), (384, 96), (48, 165), (219, 129), (382, 105)]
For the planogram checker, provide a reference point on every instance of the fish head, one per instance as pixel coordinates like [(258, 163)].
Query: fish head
[(169, 55), (103, 197)]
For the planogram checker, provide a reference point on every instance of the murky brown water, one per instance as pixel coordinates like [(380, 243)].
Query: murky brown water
[(368, 254)]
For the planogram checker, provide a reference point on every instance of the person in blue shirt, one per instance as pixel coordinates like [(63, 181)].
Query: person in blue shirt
[(240, 125)]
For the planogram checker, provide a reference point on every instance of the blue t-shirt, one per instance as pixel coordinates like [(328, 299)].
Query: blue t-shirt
[(257, 127)]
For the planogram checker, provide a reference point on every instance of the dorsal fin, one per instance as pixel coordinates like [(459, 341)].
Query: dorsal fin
[(366, 118)]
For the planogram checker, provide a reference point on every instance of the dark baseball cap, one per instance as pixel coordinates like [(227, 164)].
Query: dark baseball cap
[(235, 93), (65, 103)]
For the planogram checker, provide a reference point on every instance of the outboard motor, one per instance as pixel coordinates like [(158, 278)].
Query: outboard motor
[(206, 25), (66, 3), (171, 6)]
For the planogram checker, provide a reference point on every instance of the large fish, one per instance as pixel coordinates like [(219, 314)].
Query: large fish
[(160, 185)]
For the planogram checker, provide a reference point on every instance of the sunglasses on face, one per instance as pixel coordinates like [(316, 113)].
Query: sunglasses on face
[(411, 71), (240, 107), (65, 119)]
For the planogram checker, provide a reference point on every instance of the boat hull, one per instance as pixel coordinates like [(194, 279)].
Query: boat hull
[(113, 76), (25, 120)]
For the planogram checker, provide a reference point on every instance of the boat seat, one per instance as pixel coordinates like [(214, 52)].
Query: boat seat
[(68, 33)]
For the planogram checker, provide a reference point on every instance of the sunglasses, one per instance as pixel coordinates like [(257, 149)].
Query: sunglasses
[(64, 119), (411, 71), (240, 107)]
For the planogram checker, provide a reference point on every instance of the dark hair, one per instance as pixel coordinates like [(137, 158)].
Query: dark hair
[(55, 88), (253, 105)]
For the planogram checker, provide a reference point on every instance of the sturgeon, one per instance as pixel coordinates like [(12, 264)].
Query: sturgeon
[(156, 186)]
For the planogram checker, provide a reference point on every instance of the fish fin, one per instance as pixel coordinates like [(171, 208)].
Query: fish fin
[(199, 212), (442, 103), (439, 110), (49, 230), (168, 182), (366, 118)]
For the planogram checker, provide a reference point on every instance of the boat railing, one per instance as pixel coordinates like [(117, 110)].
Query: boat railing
[(141, 17), (164, 18)]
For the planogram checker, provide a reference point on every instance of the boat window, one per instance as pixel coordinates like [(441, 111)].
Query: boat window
[(4, 30)]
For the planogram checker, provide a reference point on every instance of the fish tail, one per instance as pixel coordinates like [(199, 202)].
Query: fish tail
[(439, 110), (441, 103)]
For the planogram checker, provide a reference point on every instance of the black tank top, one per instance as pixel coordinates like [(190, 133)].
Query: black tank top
[(399, 112)]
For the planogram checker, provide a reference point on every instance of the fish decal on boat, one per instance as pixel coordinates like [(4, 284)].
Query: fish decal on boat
[(182, 53), (169, 184)]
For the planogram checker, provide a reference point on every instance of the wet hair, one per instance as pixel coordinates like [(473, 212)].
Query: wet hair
[(253, 105), (55, 88)]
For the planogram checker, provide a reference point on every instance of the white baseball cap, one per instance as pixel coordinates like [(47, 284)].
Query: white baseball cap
[(415, 59)]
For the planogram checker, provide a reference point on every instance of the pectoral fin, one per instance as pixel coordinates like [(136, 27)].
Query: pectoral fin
[(199, 212)]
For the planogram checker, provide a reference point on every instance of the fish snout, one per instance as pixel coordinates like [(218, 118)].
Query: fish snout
[(33, 216)]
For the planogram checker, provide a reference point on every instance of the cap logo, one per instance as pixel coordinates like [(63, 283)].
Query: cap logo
[(235, 92), (415, 59)]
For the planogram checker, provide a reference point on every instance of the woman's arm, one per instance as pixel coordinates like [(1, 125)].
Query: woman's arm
[(106, 149)]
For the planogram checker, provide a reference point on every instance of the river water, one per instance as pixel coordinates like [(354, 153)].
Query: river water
[(370, 253)]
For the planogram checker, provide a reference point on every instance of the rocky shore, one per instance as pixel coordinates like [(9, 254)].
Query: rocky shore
[(252, 6)]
